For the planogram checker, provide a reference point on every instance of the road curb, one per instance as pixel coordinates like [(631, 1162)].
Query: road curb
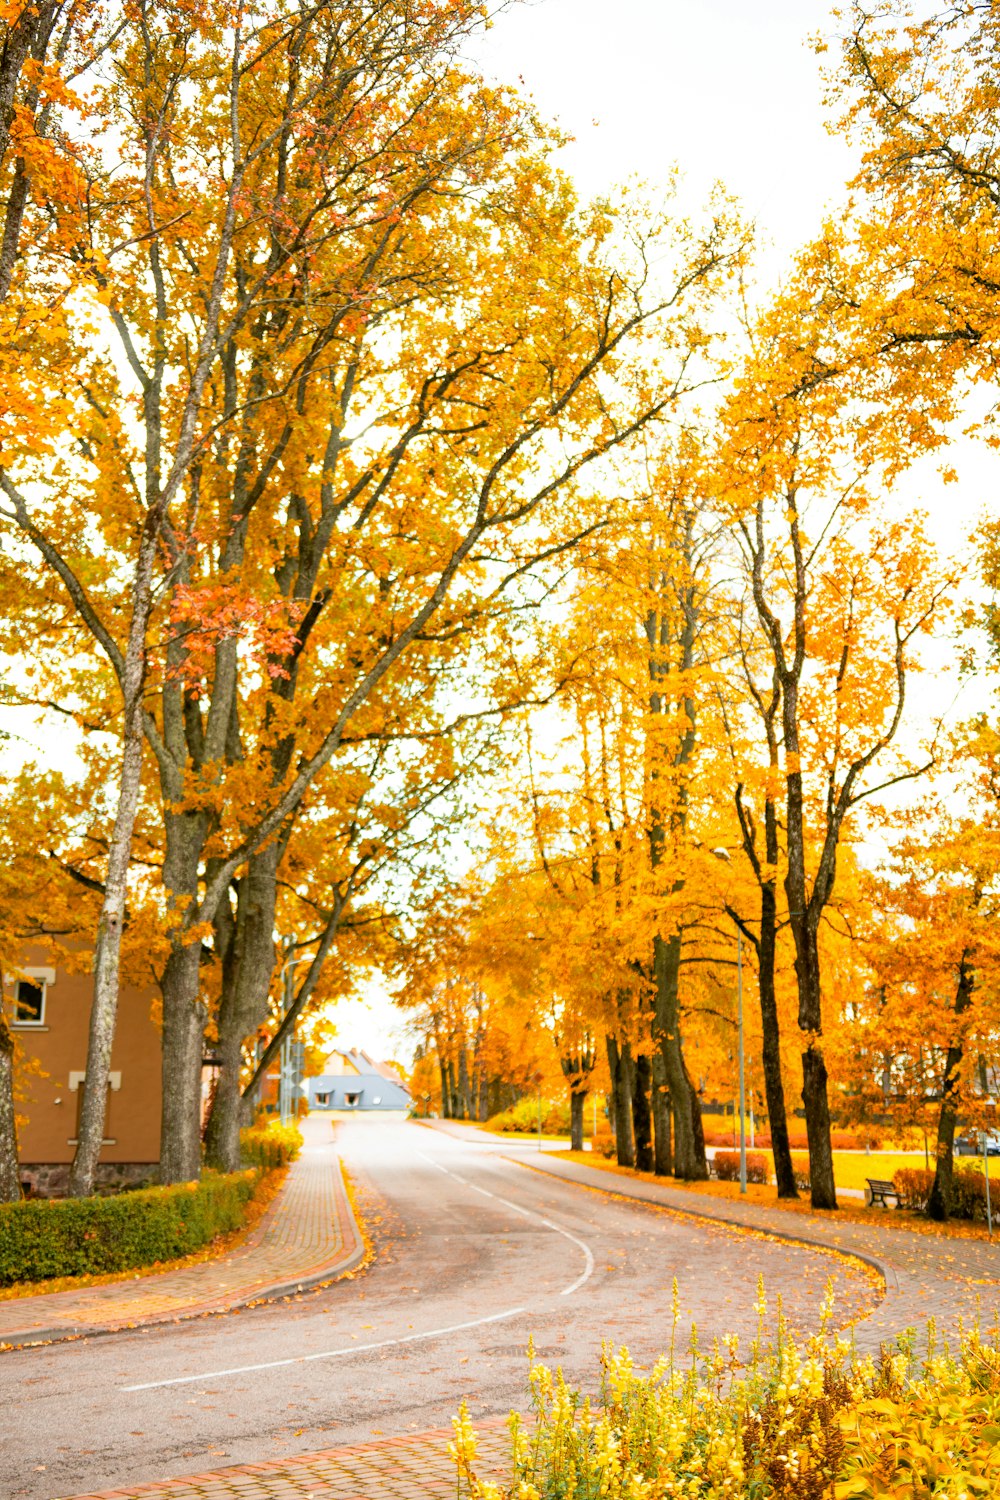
[(341, 1265)]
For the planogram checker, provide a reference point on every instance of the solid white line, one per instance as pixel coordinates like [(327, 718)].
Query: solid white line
[(588, 1269), (304, 1359)]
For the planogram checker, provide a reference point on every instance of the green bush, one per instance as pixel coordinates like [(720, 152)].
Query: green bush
[(727, 1167), (45, 1238), (523, 1117), (270, 1146)]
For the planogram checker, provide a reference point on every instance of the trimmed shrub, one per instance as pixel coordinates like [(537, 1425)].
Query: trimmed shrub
[(968, 1191), (913, 1184), (44, 1238), (727, 1167), (523, 1117), (270, 1146)]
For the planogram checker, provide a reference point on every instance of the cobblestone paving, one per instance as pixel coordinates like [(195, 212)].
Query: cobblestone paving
[(406, 1468), (307, 1235)]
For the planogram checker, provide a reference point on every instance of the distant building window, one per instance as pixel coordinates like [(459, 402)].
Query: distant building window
[(322, 1098), (29, 1003), (351, 1100)]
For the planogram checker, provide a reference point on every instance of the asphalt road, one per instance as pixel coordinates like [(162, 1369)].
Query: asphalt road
[(475, 1253)]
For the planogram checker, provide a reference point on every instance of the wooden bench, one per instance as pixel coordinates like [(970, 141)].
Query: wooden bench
[(881, 1191)]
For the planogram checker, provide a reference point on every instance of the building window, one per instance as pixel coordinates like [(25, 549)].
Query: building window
[(322, 1099), (76, 1087), (29, 1002)]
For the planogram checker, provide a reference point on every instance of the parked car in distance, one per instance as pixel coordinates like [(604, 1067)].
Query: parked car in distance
[(974, 1142)]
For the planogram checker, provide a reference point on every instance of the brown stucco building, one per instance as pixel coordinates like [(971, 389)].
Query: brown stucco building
[(49, 1011)]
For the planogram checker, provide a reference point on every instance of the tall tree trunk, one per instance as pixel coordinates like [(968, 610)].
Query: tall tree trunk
[(803, 914), (697, 1123), (183, 1043), (464, 1094), (104, 1008), (939, 1203), (577, 1100), (10, 1180), (243, 1002), (663, 1150), (184, 1015), (690, 1162), (815, 1095), (642, 1122), (620, 1068), (774, 1089)]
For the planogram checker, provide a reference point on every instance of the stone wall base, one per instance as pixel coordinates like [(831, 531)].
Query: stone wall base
[(51, 1179)]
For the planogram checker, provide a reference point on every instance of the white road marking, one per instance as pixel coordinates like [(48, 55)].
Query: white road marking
[(304, 1359), (588, 1268)]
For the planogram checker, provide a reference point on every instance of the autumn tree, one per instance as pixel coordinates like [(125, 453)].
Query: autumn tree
[(275, 515), (840, 597)]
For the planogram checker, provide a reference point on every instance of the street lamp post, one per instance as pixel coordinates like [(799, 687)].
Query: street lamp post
[(743, 1104), (287, 1105), (986, 1168)]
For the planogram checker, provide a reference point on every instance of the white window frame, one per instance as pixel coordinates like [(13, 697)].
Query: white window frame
[(43, 978), (114, 1084)]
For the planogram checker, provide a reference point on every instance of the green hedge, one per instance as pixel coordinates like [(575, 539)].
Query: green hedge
[(270, 1146), (43, 1238)]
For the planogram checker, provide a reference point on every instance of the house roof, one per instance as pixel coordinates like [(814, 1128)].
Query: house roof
[(359, 1063)]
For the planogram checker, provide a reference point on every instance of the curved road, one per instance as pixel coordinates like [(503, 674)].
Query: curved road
[(475, 1254)]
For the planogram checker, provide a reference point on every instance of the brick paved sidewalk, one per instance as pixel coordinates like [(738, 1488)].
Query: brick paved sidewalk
[(418, 1467), (307, 1235)]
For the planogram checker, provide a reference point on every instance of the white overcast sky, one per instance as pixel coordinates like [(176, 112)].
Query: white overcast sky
[(728, 90)]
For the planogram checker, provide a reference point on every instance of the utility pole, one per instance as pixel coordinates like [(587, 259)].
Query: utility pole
[(286, 1067), (743, 1109), (723, 854)]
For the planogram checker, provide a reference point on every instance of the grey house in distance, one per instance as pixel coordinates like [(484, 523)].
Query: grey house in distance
[(353, 1080)]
